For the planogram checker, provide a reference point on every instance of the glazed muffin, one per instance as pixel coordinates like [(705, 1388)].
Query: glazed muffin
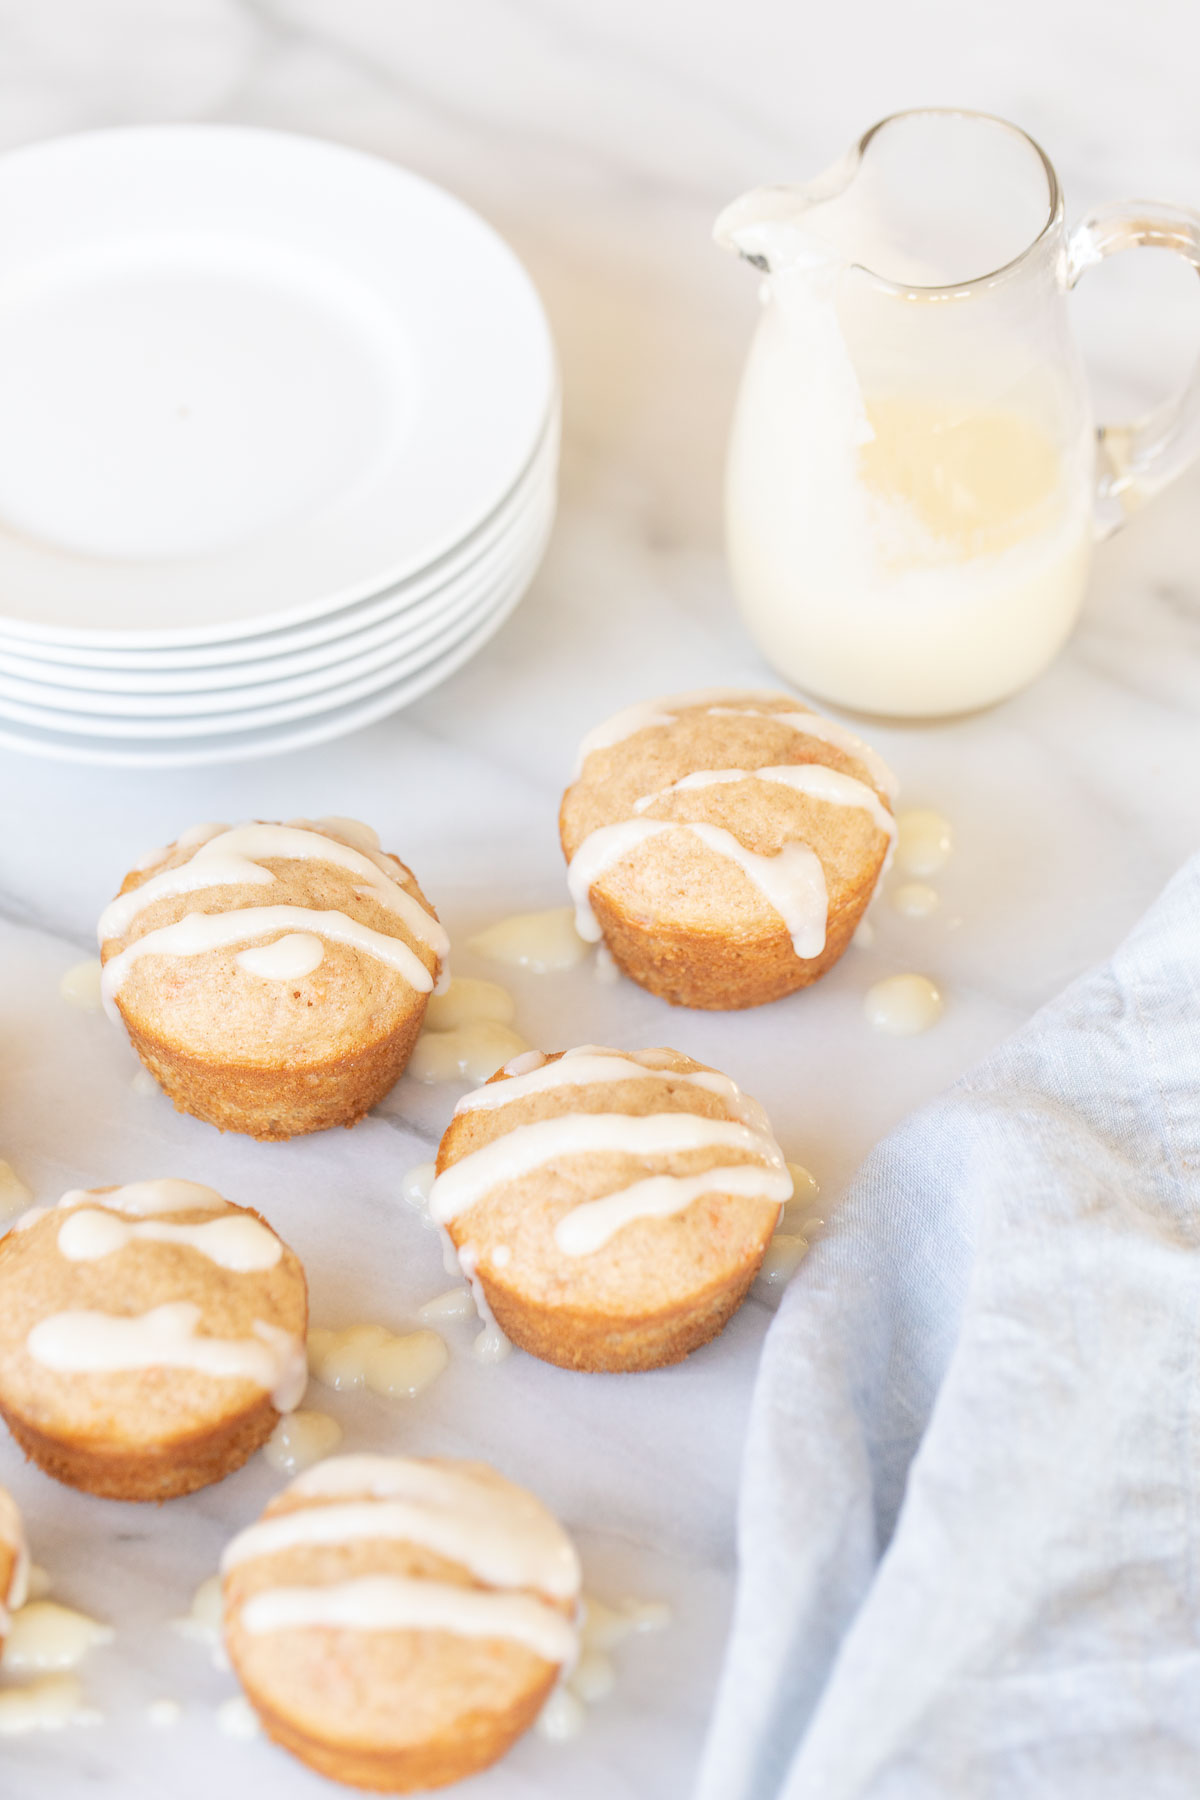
[(397, 1623), (150, 1337), (725, 843), (272, 978), (14, 1563), (612, 1206)]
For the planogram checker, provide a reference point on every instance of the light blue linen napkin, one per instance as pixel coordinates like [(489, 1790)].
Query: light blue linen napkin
[(969, 1526)]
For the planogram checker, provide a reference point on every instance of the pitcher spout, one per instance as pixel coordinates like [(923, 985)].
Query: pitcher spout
[(773, 227)]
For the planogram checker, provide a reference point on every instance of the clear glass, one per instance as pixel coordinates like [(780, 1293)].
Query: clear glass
[(915, 485)]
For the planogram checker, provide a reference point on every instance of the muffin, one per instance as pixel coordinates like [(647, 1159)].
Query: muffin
[(725, 843), (272, 978), (398, 1623), (14, 1563), (150, 1337), (613, 1206)]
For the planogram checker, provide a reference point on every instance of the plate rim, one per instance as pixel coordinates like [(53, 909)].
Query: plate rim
[(389, 575)]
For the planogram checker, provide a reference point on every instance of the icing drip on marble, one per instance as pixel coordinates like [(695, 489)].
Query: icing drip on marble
[(542, 942), (467, 1035), (904, 1005), (45, 1636), (925, 842), (392, 1364), (301, 1439), (50, 1703), (593, 1675), (80, 985)]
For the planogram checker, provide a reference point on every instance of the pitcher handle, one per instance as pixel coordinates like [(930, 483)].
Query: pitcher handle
[(1138, 460)]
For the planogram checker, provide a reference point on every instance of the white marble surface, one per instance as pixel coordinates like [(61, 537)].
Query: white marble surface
[(601, 139)]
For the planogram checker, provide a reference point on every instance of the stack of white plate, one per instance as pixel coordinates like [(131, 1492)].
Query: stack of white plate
[(278, 442)]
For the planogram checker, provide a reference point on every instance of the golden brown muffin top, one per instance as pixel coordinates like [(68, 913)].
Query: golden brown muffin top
[(395, 1539), (160, 1274), (534, 1232), (299, 988), (631, 769)]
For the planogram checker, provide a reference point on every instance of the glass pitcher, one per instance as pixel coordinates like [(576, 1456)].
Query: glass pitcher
[(914, 484)]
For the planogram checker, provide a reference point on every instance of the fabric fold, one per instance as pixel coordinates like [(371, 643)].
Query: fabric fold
[(969, 1524)]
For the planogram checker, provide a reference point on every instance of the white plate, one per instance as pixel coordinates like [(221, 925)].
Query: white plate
[(250, 745), (247, 378), (211, 665), (279, 701), (180, 729), (309, 672)]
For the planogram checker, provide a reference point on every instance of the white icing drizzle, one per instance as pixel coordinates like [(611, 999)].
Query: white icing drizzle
[(234, 858), (503, 1547), (648, 713), (514, 1524), (165, 1194), (455, 1303), (464, 1512), (793, 880), (96, 1343), (530, 1147), (826, 731), (590, 1064), (588, 1228), (195, 834), (196, 933), (352, 831), (142, 1199), (394, 1603), (287, 959), (492, 1344), (236, 1241), (817, 780)]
